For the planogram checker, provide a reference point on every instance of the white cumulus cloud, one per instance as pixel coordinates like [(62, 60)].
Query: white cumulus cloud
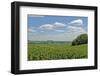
[(76, 23), (59, 25), (54, 26), (47, 27), (76, 27)]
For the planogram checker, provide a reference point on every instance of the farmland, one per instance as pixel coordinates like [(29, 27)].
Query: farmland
[(56, 50)]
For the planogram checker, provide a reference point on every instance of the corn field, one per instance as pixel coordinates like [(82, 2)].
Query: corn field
[(56, 51)]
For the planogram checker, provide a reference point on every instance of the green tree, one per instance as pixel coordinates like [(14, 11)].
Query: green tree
[(81, 39)]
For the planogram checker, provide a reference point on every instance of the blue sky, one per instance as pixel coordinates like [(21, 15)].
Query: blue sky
[(57, 28)]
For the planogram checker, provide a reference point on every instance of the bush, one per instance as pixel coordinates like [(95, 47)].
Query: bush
[(81, 39)]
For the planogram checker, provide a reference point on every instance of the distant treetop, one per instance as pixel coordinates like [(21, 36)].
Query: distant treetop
[(81, 39)]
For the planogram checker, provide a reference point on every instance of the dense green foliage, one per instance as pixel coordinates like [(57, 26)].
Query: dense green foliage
[(81, 39), (55, 51)]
